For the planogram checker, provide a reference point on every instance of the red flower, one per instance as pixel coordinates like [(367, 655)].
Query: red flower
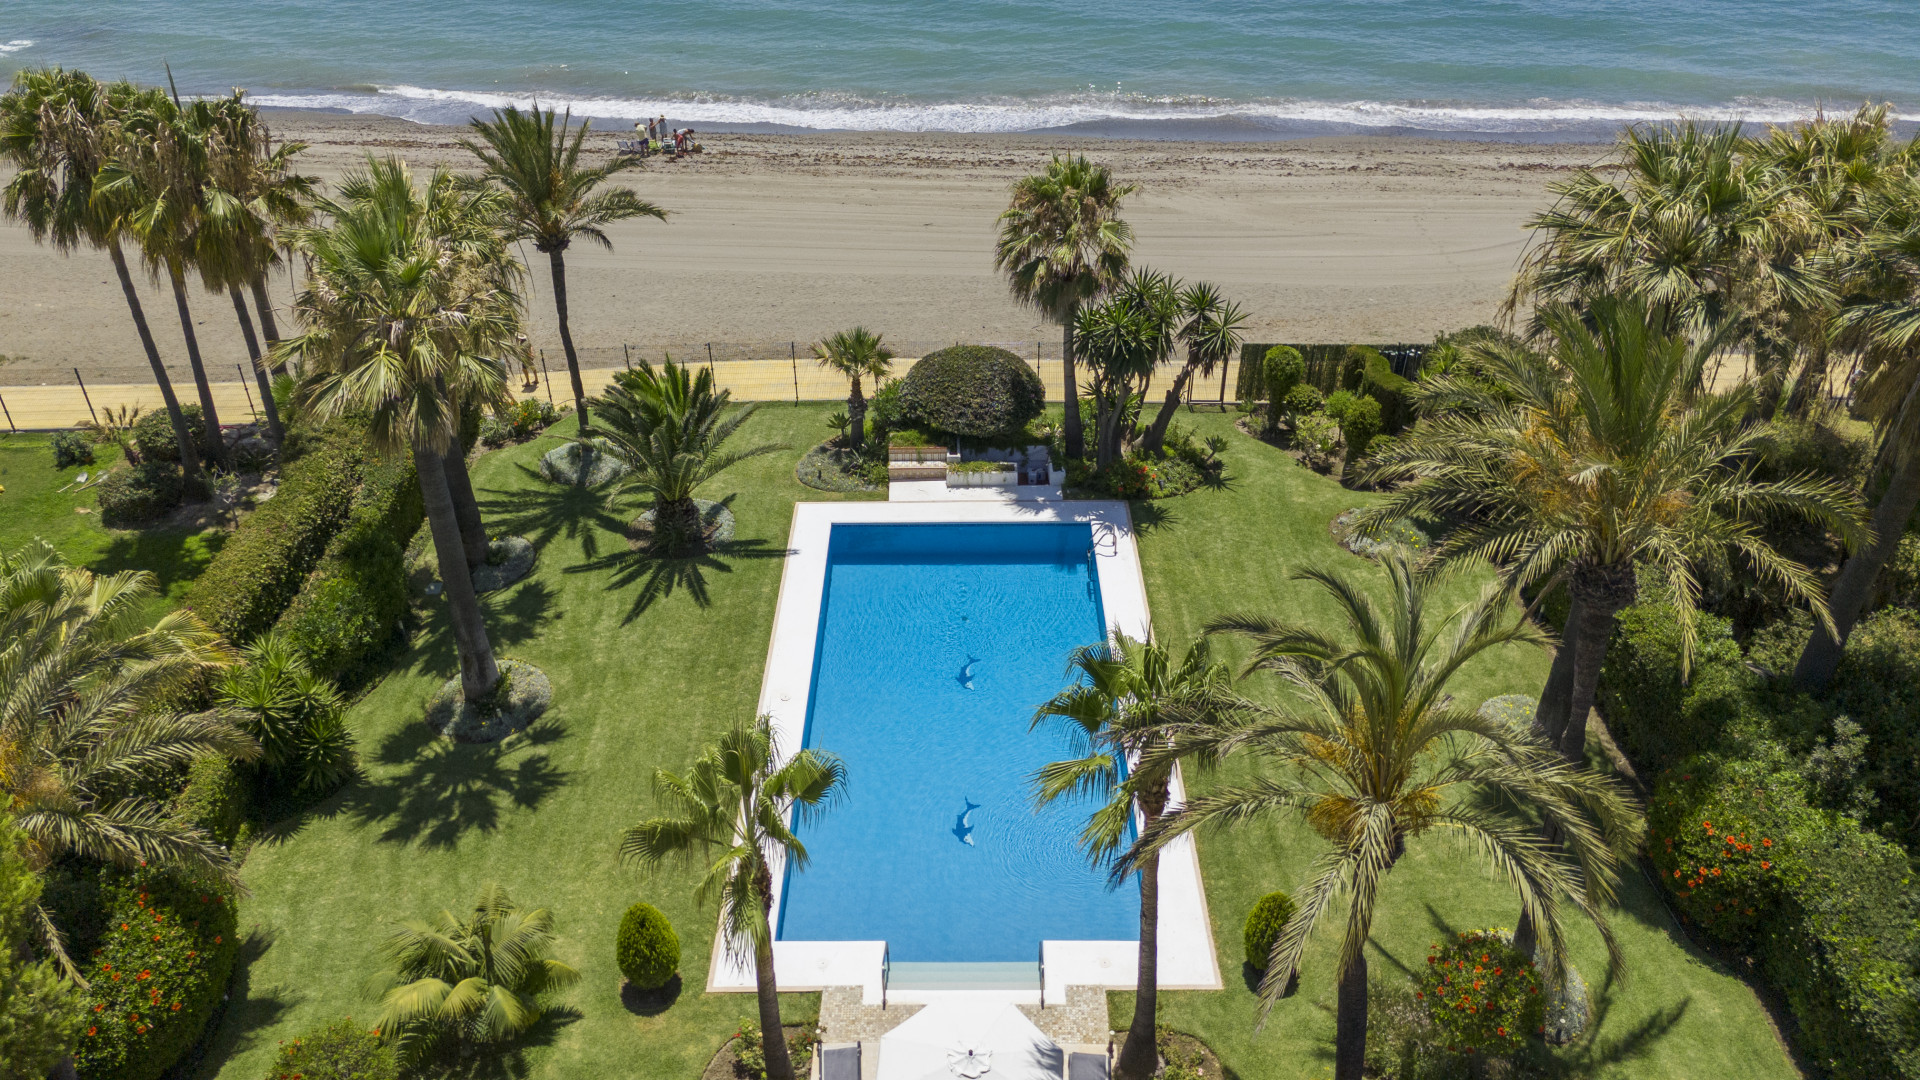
[(1764, 842), (91, 1030), (1765, 865)]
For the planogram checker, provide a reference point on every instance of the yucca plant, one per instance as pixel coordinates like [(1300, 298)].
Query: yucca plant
[(296, 716)]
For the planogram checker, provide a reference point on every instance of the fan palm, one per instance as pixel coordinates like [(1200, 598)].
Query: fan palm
[(1132, 700), (1373, 754), (731, 809), (1595, 463), (54, 131), (1211, 333), (1125, 337), (1062, 244), (477, 979), (408, 312), (551, 198), (857, 353), (670, 427), (84, 674)]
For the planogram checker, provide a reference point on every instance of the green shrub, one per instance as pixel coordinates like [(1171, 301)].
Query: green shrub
[(342, 1050), (1877, 686), (156, 976), (1376, 379), (1303, 399), (1359, 420), (215, 798), (1710, 835), (140, 494), (647, 949), (1657, 718), (40, 1014), (71, 448), (1900, 579), (752, 1053), (1482, 994), (268, 557), (974, 390), (153, 434), (1269, 916), (516, 423), (1284, 367), (1316, 435), (295, 715), (1794, 447), (884, 410)]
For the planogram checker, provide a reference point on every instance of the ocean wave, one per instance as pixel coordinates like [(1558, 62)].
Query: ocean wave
[(851, 113), (15, 46)]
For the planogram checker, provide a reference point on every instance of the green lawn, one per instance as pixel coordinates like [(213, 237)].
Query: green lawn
[(34, 504), (650, 659)]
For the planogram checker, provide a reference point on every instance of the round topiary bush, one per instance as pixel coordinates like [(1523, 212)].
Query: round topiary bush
[(1264, 923), (647, 949), (975, 390), (153, 433), (138, 495), (1283, 369)]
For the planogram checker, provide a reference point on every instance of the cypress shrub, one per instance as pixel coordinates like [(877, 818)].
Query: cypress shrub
[(1284, 368), (1264, 924), (156, 976), (973, 390), (647, 949)]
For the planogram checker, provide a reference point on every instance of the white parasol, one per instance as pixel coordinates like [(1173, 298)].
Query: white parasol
[(963, 1039)]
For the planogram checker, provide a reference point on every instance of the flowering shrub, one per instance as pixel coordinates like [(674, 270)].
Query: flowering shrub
[(342, 1050), (752, 1055), (517, 422), (1482, 993), (1718, 863), (159, 971)]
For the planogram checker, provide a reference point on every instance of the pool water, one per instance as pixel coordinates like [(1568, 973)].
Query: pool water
[(936, 644)]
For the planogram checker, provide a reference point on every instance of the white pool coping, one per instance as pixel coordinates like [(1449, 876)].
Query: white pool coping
[(1187, 958)]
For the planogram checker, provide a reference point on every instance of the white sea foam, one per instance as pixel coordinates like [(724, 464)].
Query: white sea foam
[(849, 113), (16, 45)]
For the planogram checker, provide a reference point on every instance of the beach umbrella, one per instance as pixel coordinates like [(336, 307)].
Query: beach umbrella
[(969, 1040)]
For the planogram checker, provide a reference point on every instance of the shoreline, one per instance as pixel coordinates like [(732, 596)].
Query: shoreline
[(776, 240)]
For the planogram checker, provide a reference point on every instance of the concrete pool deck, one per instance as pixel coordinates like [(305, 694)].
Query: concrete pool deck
[(1187, 959)]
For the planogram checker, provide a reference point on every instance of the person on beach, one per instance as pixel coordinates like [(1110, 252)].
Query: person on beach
[(529, 375)]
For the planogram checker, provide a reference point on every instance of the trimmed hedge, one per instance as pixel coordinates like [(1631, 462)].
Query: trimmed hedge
[(1657, 719), (1373, 375), (646, 948), (157, 975), (153, 435), (263, 564), (342, 1050), (974, 390), (140, 494), (1264, 924)]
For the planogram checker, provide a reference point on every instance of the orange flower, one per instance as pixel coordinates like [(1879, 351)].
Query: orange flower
[(1765, 865), (1764, 842), (91, 1030)]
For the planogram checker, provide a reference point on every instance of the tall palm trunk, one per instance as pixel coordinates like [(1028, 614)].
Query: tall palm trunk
[(1350, 1022), (466, 509), (1601, 591), (1813, 380), (1854, 587), (1550, 723), (558, 261), (1157, 434), (773, 1036), (215, 449), (265, 307), (1076, 443), (1140, 1055), (189, 454), (478, 672), (857, 414), (259, 370)]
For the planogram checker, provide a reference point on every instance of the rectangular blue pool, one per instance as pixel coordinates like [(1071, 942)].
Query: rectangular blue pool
[(936, 643)]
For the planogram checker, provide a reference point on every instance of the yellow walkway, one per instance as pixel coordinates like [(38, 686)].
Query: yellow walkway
[(31, 408)]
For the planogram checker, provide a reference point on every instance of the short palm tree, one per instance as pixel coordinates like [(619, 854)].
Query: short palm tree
[(1599, 461), (1125, 337), (551, 198), (670, 427), (1373, 753), (476, 979), (1133, 699), (1211, 332), (731, 811), (408, 315), (857, 353), (1062, 243), (85, 671), (54, 131)]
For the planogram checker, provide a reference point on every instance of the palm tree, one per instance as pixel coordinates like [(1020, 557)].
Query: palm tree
[(1373, 753), (857, 353), (669, 427), (1884, 313), (1061, 245), (1601, 466), (54, 129), (1211, 334), (1131, 701), (155, 180), (1125, 338), (476, 979), (551, 198), (732, 808), (408, 313), (85, 724)]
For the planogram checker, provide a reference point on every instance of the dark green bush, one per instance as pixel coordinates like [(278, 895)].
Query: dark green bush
[(1657, 718), (1284, 368), (156, 975), (1269, 916), (974, 390), (1374, 376), (215, 798), (646, 948), (153, 433), (142, 493), (1877, 686), (71, 448), (342, 1050), (1797, 447), (1304, 399), (296, 716), (1359, 420), (267, 559)]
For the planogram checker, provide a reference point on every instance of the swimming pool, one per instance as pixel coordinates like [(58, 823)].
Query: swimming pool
[(935, 644)]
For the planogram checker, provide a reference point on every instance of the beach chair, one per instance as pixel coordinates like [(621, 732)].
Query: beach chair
[(1086, 1066), (840, 1063)]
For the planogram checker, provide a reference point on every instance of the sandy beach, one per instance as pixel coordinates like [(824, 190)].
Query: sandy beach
[(784, 238)]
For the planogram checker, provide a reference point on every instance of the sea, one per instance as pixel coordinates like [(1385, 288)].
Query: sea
[(1520, 70)]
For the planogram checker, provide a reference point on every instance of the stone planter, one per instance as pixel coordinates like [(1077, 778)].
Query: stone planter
[(1006, 477)]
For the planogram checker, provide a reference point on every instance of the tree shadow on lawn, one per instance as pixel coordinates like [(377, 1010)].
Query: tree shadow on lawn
[(509, 1062), (543, 511), (248, 1012), (446, 789), (661, 576)]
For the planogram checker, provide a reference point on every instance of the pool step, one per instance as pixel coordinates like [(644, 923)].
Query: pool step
[(1010, 975)]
